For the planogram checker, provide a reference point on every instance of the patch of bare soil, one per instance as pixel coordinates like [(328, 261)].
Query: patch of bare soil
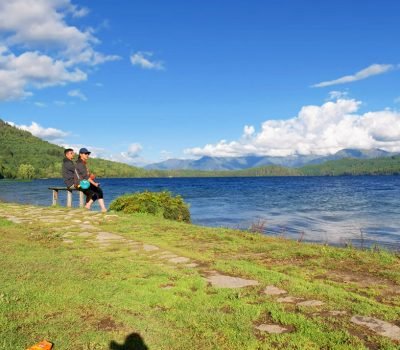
[(389, 291), (107, 324)]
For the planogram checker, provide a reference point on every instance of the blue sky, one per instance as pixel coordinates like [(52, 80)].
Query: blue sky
[(142, 81)]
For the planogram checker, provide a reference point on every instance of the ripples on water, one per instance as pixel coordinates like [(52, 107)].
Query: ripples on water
[(334, 210)]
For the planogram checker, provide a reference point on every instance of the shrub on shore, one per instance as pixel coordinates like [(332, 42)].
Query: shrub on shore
[(162, 204)]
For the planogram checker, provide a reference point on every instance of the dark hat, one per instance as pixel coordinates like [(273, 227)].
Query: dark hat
[(84, 150)]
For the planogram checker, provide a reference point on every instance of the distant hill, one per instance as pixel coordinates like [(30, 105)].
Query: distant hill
[(19, 147), (22, 153), (350, 166), (207, 163)]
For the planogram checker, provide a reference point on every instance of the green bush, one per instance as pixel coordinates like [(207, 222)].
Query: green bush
[(161, 204)]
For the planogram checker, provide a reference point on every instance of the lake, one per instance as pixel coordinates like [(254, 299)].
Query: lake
[(361, 210)]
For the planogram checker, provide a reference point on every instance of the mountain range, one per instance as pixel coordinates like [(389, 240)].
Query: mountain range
[(208, 163)]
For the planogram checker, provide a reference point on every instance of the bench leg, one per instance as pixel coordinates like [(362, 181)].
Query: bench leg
[(69, 199), (81, 199), (55, 197)]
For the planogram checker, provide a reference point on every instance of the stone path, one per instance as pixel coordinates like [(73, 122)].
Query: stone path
[(79, 224)]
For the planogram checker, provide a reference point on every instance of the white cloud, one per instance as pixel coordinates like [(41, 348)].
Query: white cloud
[(373, 69), (248, 131), (78, 94), (39, 49), (40, 104), (133, 152), (32, 69), (142, 59), (335, 95), (49, 134), (320, 130)]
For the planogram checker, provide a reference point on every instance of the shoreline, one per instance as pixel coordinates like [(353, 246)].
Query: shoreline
[(165, 271)]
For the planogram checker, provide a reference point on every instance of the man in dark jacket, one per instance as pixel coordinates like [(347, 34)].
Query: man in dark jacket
[(68, 168)]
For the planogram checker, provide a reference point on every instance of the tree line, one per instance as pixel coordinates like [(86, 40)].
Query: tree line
[(24, 156)]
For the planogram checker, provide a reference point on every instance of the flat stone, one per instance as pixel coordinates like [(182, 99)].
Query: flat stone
[(150, 248), (108, 236), (272, 290), (166, 256), (15, 220), (223, 281), (383, 328), (272, 328), (288, 299), (179, 260), (311, 303)]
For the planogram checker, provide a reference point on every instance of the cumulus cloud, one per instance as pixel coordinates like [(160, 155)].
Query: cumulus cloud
[(373, 69), (39, 49), (78, 94), (32, 69), (133, 151), (49, 134), (40, 104), (321, 130), (143, 60)]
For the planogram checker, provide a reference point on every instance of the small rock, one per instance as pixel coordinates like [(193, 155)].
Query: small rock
[(150, 248), (179, 260), (311, 303), (288, 299), (105, 236), (272, 290), (272, 328)]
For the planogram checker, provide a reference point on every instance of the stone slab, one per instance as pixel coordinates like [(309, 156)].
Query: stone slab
[(383, 328), (272, 328), (223, 281), (272, 290), (311, 303)]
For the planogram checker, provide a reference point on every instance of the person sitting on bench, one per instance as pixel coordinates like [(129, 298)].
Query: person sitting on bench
[(94, 192), (68, 168)]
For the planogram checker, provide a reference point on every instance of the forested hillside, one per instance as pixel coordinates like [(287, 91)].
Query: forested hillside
[(349, 166), (25, 156)]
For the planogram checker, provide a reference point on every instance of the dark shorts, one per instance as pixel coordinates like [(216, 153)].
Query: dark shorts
[(93, 193)]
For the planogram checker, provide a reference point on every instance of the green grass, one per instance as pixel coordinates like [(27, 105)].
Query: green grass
[(83, 297)]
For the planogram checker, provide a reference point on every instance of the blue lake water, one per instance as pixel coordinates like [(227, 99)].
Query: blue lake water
[(336, 210)]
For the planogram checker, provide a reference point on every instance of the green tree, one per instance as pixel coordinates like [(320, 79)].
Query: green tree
[(26, 171)]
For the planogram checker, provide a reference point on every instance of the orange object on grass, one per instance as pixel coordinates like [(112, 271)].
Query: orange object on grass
[(43, 345)]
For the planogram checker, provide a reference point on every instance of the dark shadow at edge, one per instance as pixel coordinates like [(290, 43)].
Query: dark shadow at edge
[(133, 341)]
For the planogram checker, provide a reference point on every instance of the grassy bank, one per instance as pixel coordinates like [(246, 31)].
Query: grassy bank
[(60, 281)]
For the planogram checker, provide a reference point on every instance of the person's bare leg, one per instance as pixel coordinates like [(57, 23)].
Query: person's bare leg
[(102, 206), (89, 204)]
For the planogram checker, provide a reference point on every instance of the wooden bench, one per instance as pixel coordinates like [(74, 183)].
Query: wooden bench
[(69, 195)]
